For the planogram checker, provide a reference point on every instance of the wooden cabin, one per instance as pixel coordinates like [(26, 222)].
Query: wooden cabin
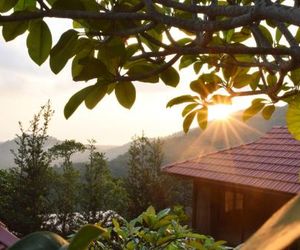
[(237, 189)]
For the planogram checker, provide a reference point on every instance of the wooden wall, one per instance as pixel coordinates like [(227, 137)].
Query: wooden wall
[(234, 223)]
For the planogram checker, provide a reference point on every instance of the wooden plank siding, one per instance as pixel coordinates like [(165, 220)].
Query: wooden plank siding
[(246, 210)]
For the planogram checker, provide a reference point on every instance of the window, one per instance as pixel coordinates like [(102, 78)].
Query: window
[(233, 201)]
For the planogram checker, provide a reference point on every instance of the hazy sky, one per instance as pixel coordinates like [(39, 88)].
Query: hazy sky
[(24, 87)]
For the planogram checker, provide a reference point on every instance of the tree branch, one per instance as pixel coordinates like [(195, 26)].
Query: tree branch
[(156, 71)]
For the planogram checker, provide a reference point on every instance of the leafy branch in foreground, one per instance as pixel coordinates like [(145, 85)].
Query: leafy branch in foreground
[(237, 48)]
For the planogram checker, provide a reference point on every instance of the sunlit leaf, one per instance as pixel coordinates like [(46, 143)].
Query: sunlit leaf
[(197, 67), (295, 76), (293, 117), (268, 111), (76, 100), (92, 68), (186, 61), (170, 77), (85, 236), (221, 99), (180, 99), (202, 116), (63, 51), (188, 121), (11, 30), (125, 93), (39, 41), (271, 79), (255, 107), (141, 69), (188, 108), (96, 95), (266, 34), (6, 5)]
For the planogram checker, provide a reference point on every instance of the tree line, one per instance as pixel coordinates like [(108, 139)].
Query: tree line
[(35, 195)]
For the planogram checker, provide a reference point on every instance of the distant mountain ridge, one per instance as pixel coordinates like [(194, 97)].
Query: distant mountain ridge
[(7, 159), (178, 147), (218, 135)]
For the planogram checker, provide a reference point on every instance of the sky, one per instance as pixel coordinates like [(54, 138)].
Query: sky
[(24, 87)]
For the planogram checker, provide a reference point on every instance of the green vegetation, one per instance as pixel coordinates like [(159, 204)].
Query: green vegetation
[(36, 196), (150, 230), (235, 48), (213, 37)]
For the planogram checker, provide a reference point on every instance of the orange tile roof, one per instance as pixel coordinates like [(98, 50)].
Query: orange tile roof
[(272, 162)]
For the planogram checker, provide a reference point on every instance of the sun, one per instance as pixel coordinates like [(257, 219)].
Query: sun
[(220, 112)]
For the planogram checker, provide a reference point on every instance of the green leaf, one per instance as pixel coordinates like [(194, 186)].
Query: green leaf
[(211, 78), (266, 34), (203, 89), (39, 41), (186, 61), (255, 107), (271, 79), (63, 50), (197, 67), (85, 236), (96, 95), (112, 54), (76, 100), (125, 93), (278, 35), (293, 117), (221, 99), (11, 30), (243, 80), (295, 76), (6, 5), (282, 229), (255, 80), (76, 66), (268, 111), (229, 34), (40, 240), (241, 36), (170, 77), (188, 121), (202, 116), (181, 99), (141, 69), (188, 108), (29, 5), (297, 37), (92, 68)]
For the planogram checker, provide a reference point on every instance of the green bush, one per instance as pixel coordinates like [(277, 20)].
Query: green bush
[(150, 230)]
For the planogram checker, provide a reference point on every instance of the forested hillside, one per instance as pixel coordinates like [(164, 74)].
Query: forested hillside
[(219, 134)]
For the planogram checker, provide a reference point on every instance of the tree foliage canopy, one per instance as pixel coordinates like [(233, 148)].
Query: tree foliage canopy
[(236, 48)]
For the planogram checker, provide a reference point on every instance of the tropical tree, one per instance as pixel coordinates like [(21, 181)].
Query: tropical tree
[(100, 192), (31, 178), (145, 183), (236, 47), (67, 185)]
